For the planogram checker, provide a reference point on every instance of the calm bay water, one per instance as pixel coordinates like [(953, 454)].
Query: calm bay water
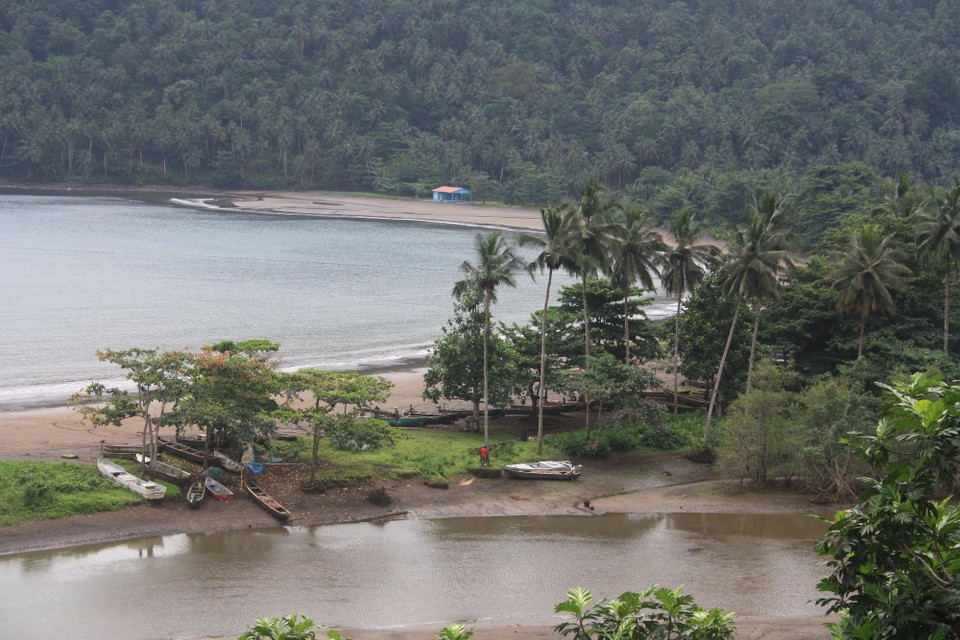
[(407, 573), (82, 272)]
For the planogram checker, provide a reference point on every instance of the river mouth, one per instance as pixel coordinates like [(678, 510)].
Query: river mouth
[(408, 574)]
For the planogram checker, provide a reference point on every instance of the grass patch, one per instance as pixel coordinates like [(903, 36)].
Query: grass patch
[(43, 490), (432, 454)]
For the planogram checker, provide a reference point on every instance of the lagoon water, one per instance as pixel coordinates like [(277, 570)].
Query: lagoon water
[(89, 271), (410, 574)]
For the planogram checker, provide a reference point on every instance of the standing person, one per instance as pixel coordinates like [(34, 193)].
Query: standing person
[(484, 456)]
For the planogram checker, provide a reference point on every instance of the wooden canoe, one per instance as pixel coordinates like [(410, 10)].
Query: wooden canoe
[(271, 506), (222, 460), (166, 471), (196, 493), (185, 452), (217, 490), (125, 450)]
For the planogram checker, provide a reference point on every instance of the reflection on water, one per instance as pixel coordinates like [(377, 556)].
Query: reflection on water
[(407, 573)]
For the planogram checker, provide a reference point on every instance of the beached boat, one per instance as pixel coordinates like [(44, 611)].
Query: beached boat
[(217, 490), (544, 470), (196, 493), (183, 451), (197, 440), (166, 471), (260, 496), (115, 473), (124, 450), (223, 460)]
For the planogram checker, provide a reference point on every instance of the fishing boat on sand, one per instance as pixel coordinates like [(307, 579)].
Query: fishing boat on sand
[(166, 471), (183, 451), (124, 450), (217, 490), (117, 474), (196, 493), (260, 496), (544, 470)]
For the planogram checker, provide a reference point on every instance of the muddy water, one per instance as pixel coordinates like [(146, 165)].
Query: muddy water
[(406, 573)]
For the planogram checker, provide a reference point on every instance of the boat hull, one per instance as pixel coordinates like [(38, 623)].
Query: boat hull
[(168, 472), (545, 470), (118, 475), (217, 490), (270, 505), (196, 494)]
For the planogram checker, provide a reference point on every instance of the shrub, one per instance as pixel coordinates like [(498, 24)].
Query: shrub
[(654, 613), (350, 434)]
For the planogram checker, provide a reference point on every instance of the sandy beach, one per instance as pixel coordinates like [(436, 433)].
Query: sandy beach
[(56, 434)]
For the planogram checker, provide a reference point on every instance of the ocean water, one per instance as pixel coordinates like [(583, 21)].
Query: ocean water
[(89, 271)]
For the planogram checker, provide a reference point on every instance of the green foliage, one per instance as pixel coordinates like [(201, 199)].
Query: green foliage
[(43, 490), (654, 613), (894, 556), (455, 632), (359, 434), (285, 628), (638, 424)]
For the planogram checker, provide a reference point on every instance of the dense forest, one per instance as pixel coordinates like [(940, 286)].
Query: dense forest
[(699, 103)]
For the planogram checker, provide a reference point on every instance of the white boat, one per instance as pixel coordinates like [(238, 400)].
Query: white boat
[(116, 473), (544, 470)]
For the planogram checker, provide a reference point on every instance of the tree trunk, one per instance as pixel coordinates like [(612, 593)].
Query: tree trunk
[(586, 355), (863, 325), (716, 382), (753, 347), (626, 330), (946, 311), (676, 356), (543, 363), (486, 340)]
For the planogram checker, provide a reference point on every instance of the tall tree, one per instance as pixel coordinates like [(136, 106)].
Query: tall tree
[(593, 234), (497, 264), (637, 253), (866, 274), (686, 261), (938, 238), (751, 275), (557, 251)]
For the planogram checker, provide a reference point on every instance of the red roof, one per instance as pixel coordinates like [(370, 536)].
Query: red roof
[(448, 189)]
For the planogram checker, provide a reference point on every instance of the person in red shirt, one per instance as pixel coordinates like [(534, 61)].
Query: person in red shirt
[(484, 456)]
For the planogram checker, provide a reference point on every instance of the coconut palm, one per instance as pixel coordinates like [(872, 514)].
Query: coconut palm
[(496, 265), (867, 273), (752, 271), (592, 234), (938, 238), (685, 264), (557, 251), (637, 254)]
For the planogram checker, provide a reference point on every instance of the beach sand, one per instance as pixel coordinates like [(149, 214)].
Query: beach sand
[(313, 203)]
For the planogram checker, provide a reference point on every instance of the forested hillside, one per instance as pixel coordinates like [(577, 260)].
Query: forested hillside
[(675, 102)]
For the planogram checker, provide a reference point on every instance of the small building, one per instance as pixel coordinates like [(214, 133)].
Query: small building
[(451, 194)]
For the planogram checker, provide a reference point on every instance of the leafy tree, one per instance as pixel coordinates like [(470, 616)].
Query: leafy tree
[(938, 238), (866, 274), (161, 381), (894, 556), (496, 266), (557, 251), (686, 261), (455, 363), (606, 380)]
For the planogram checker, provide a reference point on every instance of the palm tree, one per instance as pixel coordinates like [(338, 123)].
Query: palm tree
[(557, 251), (752, 269), (867, 272), (770, 209), (684, 266), (496, 265), (637, 252), (592, 236), (938, 237)]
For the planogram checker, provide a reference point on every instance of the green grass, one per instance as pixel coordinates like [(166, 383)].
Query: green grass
[(427, 453), (45, 490)]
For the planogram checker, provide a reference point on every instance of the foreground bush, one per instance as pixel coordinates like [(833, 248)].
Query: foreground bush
[(288, 628), (652, 614)]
